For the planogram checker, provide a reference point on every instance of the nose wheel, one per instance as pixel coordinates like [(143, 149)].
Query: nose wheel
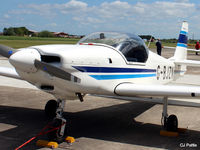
[(50, 108), (169, 123), (54, 110)]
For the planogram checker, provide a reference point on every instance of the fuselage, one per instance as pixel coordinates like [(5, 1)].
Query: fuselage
[(100, 67)]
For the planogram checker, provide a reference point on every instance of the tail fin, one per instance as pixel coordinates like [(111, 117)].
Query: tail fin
[(180, 55), (181, 51), (181, 47)]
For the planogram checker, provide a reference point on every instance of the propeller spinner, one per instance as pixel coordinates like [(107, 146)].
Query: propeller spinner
[(29, 60)]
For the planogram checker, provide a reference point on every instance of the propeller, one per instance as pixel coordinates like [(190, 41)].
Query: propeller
[(55, 71), (28, 60), (6, 51)]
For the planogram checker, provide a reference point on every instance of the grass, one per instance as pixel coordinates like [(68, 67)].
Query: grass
[(20, 42), (152, 45), (36, 38)]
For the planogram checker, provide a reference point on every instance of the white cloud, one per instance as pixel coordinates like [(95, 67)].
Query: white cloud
[(6, 16), (182, 1), (50, 10), (164, 9), (42, 9), (111, 10), (158, 15), (88, 20), (53, 24), (72, 6)]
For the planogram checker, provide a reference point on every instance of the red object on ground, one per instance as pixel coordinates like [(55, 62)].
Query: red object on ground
[(42, 132)]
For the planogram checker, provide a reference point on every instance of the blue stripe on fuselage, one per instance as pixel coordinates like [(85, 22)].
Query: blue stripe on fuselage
[(123, 76), (111, 69)]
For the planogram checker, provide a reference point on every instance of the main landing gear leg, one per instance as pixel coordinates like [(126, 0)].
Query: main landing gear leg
[(58, 122), (169, 123)]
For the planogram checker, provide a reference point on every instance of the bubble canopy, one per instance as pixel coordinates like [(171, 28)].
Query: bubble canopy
[(130, 45)]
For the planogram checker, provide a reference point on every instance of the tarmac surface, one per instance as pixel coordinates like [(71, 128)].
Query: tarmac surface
[(97, 123)]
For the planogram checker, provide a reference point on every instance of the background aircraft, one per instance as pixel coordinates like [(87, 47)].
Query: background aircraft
[(108, 64), (189, 49)]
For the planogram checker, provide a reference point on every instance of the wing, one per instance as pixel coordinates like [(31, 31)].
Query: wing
[(171, 101), (130, 89), (169, 47), (135, 92), (5, 71), (9, 72), (188, 63), (193, 50), (189, 49)]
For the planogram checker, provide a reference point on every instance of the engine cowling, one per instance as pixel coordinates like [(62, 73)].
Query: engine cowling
[(24, 60)]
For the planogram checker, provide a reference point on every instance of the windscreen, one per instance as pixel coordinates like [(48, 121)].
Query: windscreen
[(131, 46)]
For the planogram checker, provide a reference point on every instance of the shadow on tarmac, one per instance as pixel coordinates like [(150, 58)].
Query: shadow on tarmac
[(114, 123)]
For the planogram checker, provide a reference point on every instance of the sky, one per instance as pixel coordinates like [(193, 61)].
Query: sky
[(160, 18)]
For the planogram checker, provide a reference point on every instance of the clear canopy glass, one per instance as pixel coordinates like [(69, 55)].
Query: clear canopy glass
[(131, 46)]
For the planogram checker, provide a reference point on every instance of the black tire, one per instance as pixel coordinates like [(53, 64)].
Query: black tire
[(55, 135), (172, 123), (50, 109)]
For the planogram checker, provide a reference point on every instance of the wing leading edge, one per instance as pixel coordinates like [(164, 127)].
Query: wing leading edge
[(171, 101), (130, 89), (188, 63), (9, 72), (189, 49)]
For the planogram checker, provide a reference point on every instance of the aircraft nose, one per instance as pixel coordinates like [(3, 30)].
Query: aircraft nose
[(24, 60)]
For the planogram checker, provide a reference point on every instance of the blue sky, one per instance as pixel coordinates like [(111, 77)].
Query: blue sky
[(161, 18)]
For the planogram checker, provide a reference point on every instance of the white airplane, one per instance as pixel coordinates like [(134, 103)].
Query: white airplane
[(111, 64)]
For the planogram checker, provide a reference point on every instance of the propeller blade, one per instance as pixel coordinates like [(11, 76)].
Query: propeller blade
[(6, 51), (55, 71)]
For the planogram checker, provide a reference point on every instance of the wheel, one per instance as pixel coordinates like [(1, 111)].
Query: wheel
[(172, 123), (50, 108), (55, 135)]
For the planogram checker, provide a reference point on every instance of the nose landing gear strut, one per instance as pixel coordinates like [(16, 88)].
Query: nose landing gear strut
[(54, 109)]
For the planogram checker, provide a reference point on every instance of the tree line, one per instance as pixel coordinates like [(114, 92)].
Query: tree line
[(23, 31)]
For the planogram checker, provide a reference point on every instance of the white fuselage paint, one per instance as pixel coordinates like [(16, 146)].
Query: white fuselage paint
[(99, 58)]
